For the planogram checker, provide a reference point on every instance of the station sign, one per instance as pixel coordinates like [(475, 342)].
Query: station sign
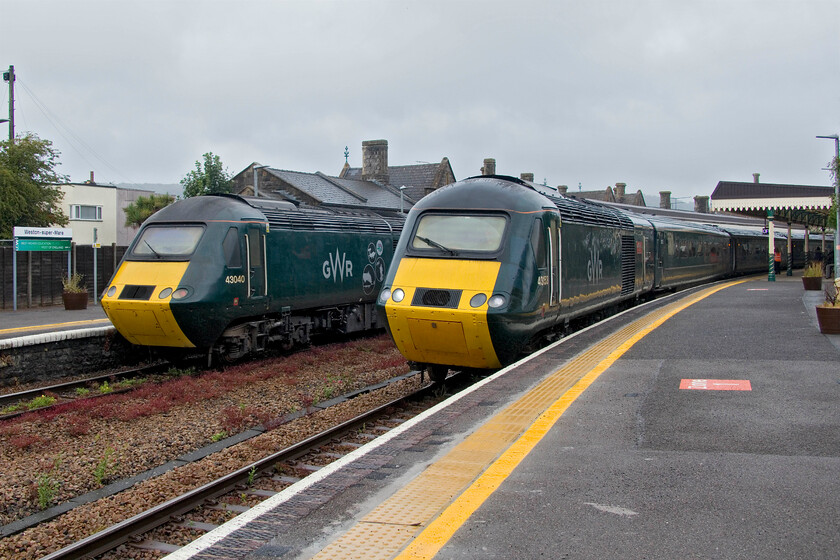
[(42, 232), (42, 244)]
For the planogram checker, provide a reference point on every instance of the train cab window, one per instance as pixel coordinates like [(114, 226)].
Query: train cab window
[(233, 253), (159, 242), (453, 233)]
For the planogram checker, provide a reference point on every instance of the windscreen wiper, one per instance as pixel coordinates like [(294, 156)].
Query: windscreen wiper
[(153, 249), (438, 245)]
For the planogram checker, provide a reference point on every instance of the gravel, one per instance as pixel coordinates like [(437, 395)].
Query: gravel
[(52, 456)]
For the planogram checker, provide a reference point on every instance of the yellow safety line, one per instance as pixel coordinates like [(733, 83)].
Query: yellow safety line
[(443, 496), (39, 327)]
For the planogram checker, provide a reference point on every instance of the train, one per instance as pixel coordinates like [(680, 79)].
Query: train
[(491, 267), (229, 275)]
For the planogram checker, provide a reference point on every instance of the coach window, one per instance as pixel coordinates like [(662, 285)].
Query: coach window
[(233, 253)]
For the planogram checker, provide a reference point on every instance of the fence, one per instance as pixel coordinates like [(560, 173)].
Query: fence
[(39, 273)]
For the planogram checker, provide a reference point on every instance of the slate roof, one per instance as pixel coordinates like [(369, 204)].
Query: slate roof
[(416, 178), (732, 189), (334, 191)]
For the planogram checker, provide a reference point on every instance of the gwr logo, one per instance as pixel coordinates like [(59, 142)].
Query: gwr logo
[(595, 266), (337, 267)]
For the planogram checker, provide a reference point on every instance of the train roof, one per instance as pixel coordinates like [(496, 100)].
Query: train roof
[(278, 214), (500, 192)]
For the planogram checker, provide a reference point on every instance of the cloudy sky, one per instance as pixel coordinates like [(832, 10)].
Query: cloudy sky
[(661, 95)]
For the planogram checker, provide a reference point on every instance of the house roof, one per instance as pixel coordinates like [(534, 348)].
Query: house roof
[(415, 178), (335, 191)]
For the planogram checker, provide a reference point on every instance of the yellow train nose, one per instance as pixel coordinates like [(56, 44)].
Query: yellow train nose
[(437, 325), (137, 311)]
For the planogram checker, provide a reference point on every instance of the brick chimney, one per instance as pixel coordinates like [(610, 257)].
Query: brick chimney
[(562, 189), (619, 191), (755, 177), (701, 204), (527, 177), (489, 167), (665, 199), (375, 160)]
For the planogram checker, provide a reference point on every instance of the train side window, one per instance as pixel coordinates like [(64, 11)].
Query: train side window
[(538, 243), (233, 253)]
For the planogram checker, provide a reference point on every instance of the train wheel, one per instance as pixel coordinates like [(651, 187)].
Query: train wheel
[(438, 374)]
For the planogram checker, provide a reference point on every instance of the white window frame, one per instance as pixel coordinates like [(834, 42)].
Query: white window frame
[(75, 211)]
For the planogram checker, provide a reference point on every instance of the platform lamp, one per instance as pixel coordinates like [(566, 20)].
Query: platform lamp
[(836, 139)]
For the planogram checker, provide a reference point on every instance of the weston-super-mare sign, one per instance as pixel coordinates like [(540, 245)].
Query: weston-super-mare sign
[(42, 239), (47, 232)]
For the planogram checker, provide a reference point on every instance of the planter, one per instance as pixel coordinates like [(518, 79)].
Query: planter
[(75, 300), (829, 319), (812, 282)]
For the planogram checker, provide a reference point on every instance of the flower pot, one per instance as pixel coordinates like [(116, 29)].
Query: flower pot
[(812, 282), (74, 300), (829, 319)]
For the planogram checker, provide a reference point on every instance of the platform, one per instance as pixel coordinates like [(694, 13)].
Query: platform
[(52, 319), (702, 425)]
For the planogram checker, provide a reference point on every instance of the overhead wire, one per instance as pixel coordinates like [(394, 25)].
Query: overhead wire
[(61, 128)]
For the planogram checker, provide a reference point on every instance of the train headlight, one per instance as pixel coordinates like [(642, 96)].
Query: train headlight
[(111, 291), (383, 297), (164, 293), (398, 295), (478, 300), (496, 301), (180, 293)]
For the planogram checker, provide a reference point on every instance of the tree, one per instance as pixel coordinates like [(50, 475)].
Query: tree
[(139, 211), (29, 195), (212, 179)]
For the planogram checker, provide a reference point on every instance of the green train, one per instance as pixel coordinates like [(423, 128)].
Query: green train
[(491, 267), (230, 275)]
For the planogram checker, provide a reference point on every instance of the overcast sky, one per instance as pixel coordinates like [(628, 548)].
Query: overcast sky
[(661, 95)]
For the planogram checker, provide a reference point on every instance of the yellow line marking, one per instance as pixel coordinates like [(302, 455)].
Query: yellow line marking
[(68, 324), (440, 499)]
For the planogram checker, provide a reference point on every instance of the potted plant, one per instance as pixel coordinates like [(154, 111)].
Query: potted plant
[(73, 293), (828, 312), (812, 276)]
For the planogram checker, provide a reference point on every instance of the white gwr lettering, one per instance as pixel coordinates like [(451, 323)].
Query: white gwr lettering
[(337, 267)]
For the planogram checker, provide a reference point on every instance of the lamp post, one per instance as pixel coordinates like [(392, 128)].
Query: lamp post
[(10, 77), (836, 139)]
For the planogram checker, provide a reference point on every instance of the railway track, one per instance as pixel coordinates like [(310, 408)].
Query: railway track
[(21, 402), (302, 457)]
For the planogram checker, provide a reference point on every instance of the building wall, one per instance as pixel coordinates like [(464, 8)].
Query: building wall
[(125, 234), (110, 221), (95, 196)]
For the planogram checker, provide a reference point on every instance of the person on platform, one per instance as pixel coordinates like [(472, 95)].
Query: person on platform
[(777, 260)]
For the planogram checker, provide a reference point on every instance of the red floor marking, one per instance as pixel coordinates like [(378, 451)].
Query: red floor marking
[(717, 384)]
